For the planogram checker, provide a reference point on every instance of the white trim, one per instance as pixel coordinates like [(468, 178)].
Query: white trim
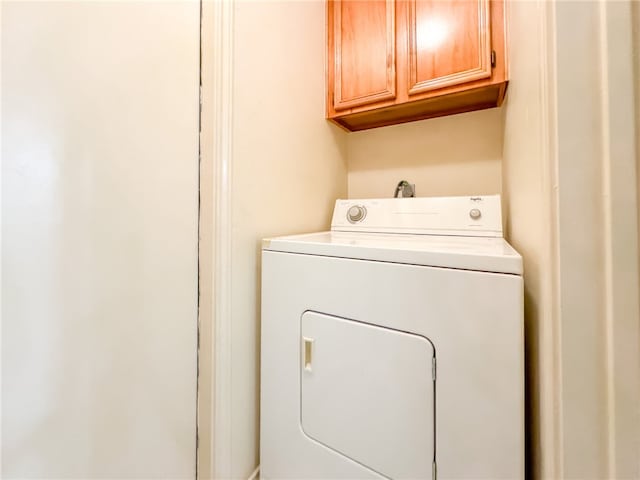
[(550, 331), (607, 234), (0, 233), (595, 138), (620, 239), (255, 475), (222, 161)]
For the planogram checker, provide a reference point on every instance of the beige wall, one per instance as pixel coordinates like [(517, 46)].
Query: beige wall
[(568, 156), (455, 155), (99, 239), (597, 291), (288, 167), (527, 187)]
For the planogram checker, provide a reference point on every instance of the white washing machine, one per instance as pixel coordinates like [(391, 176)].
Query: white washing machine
[(392, 346)]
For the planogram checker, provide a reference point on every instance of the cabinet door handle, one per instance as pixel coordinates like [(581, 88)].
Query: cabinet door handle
[(308, 353)]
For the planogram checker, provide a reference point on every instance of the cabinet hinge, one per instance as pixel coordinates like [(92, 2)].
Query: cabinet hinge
[(434, 471), (493, 59), (433, 368)]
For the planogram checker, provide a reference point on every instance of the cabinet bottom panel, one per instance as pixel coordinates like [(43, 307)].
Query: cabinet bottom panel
[(476, 99)]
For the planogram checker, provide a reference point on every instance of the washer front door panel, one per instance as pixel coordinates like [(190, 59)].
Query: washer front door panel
[(367, 392)]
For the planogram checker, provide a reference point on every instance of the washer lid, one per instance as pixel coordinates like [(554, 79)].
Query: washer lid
[(486, 254)]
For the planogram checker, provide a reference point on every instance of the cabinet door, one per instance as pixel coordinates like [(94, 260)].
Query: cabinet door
[(363, 52), (449, 43)]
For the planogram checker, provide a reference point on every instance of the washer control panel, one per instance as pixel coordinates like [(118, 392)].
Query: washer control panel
[(356, 213), (465, 216), (475, 213)]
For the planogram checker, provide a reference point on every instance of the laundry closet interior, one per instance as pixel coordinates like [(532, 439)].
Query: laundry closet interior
[(156, 154)]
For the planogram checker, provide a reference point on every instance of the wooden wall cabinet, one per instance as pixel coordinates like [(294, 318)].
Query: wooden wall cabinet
[(395, 61)]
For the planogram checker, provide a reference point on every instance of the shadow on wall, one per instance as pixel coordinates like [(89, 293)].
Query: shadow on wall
[(454, 155)]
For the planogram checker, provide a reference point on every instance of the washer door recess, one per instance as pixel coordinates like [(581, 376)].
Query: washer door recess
[(368, 394)]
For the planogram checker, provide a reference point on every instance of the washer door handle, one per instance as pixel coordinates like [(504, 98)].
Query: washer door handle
[(307, 353)]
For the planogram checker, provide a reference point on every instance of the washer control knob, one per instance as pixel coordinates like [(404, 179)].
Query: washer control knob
[(475, 214), (356, 213)]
